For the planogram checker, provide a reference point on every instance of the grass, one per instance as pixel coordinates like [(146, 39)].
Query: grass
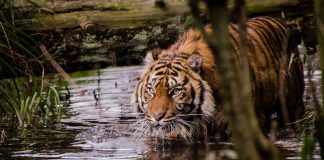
[(27, 99), (308, 132), (26, 105)]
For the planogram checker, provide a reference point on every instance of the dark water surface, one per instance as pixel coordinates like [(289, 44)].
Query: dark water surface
[(96, 127)]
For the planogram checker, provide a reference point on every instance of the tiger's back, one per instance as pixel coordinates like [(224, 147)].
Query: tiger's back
[(273, 56)]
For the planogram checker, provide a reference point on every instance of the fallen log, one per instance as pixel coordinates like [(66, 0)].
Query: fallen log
[(60, 14)]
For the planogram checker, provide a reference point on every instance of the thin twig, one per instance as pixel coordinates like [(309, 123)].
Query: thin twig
[(56, 66)]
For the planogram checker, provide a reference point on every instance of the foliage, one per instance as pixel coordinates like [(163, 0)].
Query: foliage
[(28, 108), (6, 4), (308, 133), (26, 100), (308, 148)]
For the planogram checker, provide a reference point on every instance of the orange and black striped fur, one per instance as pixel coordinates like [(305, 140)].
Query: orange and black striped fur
[(177, 93)]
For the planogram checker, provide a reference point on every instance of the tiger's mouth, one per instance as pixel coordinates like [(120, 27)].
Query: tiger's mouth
[(176, 127)]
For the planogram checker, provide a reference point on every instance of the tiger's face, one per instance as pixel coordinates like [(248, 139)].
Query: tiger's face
[(173, 97)]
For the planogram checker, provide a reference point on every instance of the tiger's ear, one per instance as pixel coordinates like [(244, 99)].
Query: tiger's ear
[(152, 55), (195, 62)]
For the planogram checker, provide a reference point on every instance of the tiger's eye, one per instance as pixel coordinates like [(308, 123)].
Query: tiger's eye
[(176, 91), (180, 107)]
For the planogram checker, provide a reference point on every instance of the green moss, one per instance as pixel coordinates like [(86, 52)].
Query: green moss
[(142, 36), (93, 58), (40, 3), (113, 6), (83, 73), (157, 31)]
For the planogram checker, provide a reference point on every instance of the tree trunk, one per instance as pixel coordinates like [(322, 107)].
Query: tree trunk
[(319, 121), (236, 88)]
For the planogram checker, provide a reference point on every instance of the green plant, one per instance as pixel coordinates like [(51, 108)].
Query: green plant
[(307, 128), (26, 109), (27, 100)]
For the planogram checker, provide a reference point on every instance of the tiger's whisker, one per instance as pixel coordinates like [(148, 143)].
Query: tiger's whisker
[(184, 115)]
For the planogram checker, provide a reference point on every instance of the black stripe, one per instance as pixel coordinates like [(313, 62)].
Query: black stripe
[(202, 91), (182, 55), (192, 93), (174, 73), (280, 25), (263, 38), (169, 65), (175, 80), (165, 56), (147, 78), (153, 80), (157, 68), (179, 59), (159, 73), (256, 77), (166, 59), (279, 30), (177, 68), (138, 108), (272, 32), (185, 80), (253, 51), (162, 62)]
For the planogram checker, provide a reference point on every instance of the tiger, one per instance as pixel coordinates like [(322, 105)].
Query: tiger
[(177, 95)]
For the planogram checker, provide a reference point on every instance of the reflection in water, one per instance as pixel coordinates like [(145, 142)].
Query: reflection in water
[(97, 124)]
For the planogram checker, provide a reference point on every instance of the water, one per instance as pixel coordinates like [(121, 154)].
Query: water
[(96, 127)]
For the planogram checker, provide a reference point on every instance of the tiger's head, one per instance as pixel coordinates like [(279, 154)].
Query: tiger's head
[(172, 96)]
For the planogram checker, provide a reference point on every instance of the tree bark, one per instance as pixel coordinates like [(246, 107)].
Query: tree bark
[(319, 121)]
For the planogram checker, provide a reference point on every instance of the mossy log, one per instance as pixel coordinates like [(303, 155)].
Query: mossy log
[(60, 14)]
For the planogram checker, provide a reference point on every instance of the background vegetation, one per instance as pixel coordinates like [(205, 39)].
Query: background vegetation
[(27, 98)]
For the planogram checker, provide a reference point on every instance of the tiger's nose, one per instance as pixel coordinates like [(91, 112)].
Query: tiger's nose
[(158, 115)]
